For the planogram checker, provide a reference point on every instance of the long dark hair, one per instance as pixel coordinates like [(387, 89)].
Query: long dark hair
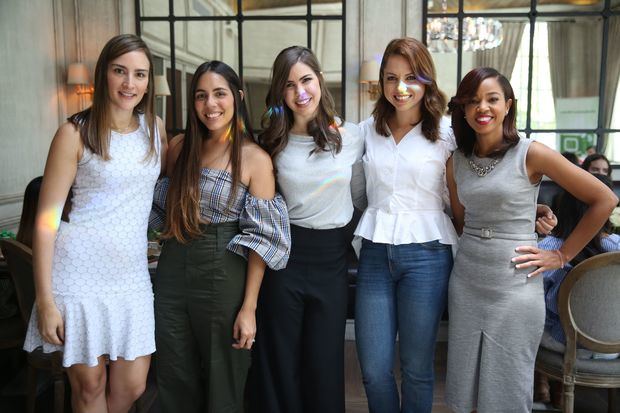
[(569, 212), (278, 117), (29, 211), (466, 92), (94, 122), (434, 101), (183, 200), (595, 157)]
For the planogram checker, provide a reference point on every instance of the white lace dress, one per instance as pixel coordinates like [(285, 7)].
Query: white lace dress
[(100, 278)]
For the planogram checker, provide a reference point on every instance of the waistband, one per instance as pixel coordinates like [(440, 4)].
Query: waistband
[(490, 233)]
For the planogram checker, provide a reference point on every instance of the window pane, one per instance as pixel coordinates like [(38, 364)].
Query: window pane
[(612, 148), (327, 46), (152, 8), (611, 104), (326, 7), (544, 110), (571, 49), (576, 143), (157, 37), (519, 77), (191, 50), (549, 139), (262, 41), (205, 8), (445, 65)]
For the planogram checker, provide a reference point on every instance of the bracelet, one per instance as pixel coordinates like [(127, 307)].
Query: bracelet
[(561, 256)]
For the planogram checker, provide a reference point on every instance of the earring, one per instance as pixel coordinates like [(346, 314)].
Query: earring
[(507, 112)]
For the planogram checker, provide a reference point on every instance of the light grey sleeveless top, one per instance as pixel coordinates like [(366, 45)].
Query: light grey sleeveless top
[(504, 199)]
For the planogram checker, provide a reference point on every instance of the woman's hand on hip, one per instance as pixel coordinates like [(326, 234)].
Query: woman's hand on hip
[(531, 256)]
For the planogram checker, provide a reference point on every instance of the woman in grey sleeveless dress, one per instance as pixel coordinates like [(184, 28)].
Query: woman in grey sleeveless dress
[(496, 301)]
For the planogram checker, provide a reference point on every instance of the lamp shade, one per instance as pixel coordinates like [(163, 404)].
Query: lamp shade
[(369, 73), (77, 74), (161, 86)]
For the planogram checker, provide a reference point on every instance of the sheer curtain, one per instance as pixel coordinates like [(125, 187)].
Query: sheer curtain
[(612, 146), (575, 57), (504, 56)]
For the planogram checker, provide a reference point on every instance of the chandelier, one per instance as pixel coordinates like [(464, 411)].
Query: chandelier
[(479, 33)]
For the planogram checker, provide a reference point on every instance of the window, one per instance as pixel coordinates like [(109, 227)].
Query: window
[(561, 58), (245, 34)]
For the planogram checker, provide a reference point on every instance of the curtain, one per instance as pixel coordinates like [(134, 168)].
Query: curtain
[(504, 56), (575, 58), (613, 70)]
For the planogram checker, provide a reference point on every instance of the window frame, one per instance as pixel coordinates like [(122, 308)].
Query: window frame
[(532, 16), (239, 18)]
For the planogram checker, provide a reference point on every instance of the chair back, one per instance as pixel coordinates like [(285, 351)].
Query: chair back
[(19, 259), (589, 304)]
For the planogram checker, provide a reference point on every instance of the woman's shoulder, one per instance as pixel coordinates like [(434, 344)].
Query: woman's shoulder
[(351, 133), (68, 136), (367, 125), (256, 157), (446, 134)]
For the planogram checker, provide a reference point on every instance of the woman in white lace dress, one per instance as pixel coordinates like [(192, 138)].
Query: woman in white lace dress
[(93, 291)]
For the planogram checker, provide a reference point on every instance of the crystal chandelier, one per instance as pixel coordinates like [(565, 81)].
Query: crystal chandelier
[(478, 33)]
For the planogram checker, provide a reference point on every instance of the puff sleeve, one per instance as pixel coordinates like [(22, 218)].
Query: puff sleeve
[(265, 229), (157, 218)]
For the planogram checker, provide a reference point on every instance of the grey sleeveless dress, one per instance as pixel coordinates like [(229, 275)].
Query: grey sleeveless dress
[(497, 314)]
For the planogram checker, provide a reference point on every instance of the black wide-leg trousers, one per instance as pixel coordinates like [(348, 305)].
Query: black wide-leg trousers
[(298, 359)]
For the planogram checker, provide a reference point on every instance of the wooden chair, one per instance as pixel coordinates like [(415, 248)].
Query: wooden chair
[(589, 306), (19, 260)]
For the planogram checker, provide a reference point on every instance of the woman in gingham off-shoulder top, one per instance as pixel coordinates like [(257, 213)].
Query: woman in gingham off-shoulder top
[(220, 206)]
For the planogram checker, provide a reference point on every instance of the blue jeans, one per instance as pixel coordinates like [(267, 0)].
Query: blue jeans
[(400, 289)]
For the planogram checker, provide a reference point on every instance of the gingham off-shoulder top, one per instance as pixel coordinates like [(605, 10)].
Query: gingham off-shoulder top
[(263, 223)]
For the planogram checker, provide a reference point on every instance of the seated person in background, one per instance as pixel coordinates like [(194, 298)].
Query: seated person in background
[(590, 150), (597, 164), (571, 156), (569, 211), (8, 305), (29, 211)]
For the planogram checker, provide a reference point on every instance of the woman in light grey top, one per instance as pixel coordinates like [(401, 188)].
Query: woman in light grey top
[(298, 362)]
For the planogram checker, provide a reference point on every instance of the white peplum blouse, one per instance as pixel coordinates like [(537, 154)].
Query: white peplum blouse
[(406, 187)]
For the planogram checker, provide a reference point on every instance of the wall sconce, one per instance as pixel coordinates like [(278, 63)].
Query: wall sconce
[(77, 74), (161, 86), (369, 74)]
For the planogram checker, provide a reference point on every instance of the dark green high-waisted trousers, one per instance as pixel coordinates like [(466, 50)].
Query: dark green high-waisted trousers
[(199, 288)]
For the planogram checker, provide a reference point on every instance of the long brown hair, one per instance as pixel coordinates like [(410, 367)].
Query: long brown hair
[(466, 92), (29, 211), (94, 122), (434, 101), (183, 199), (278, 117), (570, 210)]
